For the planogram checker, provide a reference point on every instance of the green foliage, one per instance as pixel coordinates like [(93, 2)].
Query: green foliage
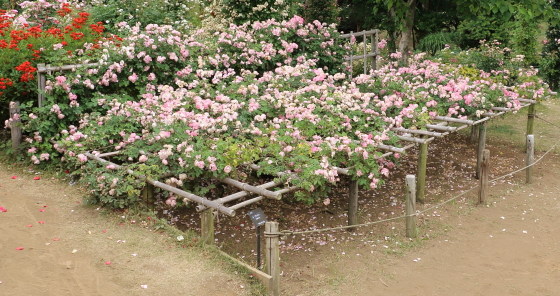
[(524, 41), (435, 42), (493, 58), (325, 11), (489, 28), (242, 11), (182, 15), (550, 61)]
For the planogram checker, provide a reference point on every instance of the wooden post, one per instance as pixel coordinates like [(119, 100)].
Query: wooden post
[(365, 52), (272, 265), (207, 226), (530, 119), (484, 171), (530, 158), (353, 204), (148, 196), (481, 147), (351, 56), (41, 83), (15, 125), (410, 206), (422, 163), (474, 133), (374, 49)]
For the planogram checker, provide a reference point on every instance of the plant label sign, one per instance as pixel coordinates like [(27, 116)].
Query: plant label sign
[(257, 216)]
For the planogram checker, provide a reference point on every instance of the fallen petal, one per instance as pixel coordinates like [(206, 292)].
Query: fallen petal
[(2, 209), (144, 286), (19, 249), (41, 222), (107, 262), (37, 178), (14, 177)]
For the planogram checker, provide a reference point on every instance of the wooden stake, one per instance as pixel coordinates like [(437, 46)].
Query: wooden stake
[(272, 264), (353, 204), (41, 81), (351, 56), (481, 146), (530, 158), (410, 206), (530, 120), (148, 196), (474, 133), (365, 49), (207, 226), (374, 50), (422, 163), (15, 125), (484, 171)]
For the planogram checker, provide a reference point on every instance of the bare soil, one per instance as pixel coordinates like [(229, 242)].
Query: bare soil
[(510, 247), (51, 244)]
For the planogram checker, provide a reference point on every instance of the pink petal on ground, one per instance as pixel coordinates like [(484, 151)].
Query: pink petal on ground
[(2, 209), (37, 178), (29, 225), (107, 262), (41, 210), (14, 177), (19, 249), (41, 222)]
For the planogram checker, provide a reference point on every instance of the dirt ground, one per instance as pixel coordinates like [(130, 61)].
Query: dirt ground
[(507, 248), (51, 244)]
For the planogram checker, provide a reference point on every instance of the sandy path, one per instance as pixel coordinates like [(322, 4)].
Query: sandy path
[(46, 265), (46, 219)]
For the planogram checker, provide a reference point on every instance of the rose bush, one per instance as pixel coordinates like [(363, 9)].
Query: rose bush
[(41, 33), (200, 107)]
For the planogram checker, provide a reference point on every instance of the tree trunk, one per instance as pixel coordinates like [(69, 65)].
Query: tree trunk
[(406, 34)]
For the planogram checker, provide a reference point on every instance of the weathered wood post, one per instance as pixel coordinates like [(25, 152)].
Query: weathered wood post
[(351, 57), (481, 147), (353, 204), (272, 265), (15, 125), (410, 206), (484, 172), (530, 119), (530, 158), (148, 196), (41, 83), (207, 226), (474, 133), (422, 163), (374, 49), (365, 52)]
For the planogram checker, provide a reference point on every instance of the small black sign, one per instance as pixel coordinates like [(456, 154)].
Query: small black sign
[(257, 216)]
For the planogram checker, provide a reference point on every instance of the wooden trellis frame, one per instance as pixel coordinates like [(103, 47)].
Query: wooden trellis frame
[(374, 39), (440, 128), (422, 137)]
